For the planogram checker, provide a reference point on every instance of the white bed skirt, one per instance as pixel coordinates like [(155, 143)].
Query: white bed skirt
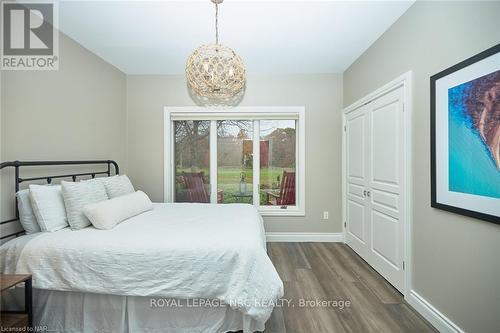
[(76, 312)]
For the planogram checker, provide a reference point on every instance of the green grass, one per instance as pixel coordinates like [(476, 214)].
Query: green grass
[(229, 181)]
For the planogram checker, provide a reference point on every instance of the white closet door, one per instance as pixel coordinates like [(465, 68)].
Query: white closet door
[(375, 184), (357, 233), (386, 186)]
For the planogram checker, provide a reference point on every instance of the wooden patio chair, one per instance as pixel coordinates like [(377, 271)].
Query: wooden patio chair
[(287, 191), (196, 189)]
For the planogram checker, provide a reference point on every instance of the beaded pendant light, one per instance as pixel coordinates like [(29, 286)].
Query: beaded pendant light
[(215, 71)]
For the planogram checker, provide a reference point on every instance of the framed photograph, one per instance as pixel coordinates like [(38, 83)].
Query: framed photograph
[(465, 137)]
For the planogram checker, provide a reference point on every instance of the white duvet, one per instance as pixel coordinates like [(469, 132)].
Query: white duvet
[(176, 250)]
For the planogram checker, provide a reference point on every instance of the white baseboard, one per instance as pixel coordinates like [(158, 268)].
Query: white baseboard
[(304, 237), (433, 316)]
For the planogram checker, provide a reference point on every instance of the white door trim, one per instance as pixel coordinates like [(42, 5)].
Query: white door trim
[(404, 81)]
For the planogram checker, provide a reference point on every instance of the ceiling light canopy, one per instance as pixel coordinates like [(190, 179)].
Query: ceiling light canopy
[(215, 71)]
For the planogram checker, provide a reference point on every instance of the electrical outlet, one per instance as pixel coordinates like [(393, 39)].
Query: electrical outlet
[(325, 215)]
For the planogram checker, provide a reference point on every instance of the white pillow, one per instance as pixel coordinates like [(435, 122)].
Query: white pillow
[(107, 214), (77, 195), (26, 215), (48, 205), (116, 185)]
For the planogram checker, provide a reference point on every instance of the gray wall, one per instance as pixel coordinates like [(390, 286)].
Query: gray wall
[(455, 258), (77, 112), (320, 94)]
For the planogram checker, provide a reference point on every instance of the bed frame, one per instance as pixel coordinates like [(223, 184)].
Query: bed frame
[(12, 228)]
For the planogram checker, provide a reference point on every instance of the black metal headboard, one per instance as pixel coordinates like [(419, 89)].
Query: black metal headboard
[(17, 165)]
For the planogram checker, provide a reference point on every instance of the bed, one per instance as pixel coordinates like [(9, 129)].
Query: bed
[(177, 268)]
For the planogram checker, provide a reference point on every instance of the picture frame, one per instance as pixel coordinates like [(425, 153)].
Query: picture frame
[(465, 137)]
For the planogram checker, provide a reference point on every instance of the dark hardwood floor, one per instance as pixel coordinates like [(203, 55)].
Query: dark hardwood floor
[(332, 271)]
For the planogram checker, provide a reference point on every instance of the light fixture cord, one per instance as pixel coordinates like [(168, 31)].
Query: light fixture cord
[(216, 23)]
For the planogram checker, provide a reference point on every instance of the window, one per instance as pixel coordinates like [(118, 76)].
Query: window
[(241, 155), (235, 160), (192, 167), (277, 162)]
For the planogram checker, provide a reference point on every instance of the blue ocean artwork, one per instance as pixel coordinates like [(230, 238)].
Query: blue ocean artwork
[(474, 136)]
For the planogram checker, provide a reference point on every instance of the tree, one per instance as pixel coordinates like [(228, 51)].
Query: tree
[(192, 139), (282, 147)]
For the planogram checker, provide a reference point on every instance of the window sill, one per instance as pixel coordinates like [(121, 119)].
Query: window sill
[(281, 212)]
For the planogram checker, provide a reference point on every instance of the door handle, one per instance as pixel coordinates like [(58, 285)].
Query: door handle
[(364, 193), (368, 193)]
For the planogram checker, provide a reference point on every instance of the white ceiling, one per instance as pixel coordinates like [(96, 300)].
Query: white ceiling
[(156, 37)]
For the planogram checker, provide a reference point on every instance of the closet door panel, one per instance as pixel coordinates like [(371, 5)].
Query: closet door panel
[(357, 179), (385, 143), (386, 187), (355, 141), (356, 213), (385, 227)]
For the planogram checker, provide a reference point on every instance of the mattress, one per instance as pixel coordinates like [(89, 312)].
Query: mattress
[(184, 251)]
